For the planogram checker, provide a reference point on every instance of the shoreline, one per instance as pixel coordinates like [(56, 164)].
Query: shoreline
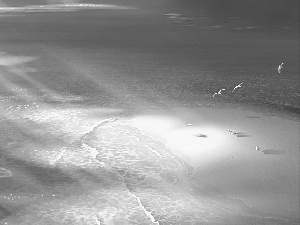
[(258, 178), (230, 174)]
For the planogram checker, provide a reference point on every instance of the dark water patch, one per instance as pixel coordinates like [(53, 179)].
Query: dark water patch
[(4, 213), (269, 12), (46, 175), (293, 109)]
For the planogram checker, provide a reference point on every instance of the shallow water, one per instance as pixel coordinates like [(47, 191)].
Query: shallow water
[(229, 161), (84, 158)]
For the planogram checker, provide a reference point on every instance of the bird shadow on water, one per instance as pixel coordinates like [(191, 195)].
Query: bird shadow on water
[(240, 134), (201, 135), (270, 151)]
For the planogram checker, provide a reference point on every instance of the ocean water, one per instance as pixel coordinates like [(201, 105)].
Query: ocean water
[(182, 61), (70, 82)]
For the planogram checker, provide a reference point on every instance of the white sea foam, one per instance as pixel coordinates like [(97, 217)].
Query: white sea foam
[(5, 173), (93, 151), (153, 220), (7, 60)]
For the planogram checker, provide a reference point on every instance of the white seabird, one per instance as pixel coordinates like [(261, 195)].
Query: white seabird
[(219, 92), (238, 86), (232, 132), (280, 67)]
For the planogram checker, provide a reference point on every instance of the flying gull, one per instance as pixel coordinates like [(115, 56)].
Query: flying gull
[(219, 92), (232, 132), (238, 86), (280, 67)]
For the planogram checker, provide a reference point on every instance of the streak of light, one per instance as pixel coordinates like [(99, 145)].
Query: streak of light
[(118, 87), (15, 65), (22, 93)]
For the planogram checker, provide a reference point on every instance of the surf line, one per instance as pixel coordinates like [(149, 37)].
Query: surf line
[(93, 151), (164, 150), (144, 209), (108, 120), (140, 204), (190, 170)]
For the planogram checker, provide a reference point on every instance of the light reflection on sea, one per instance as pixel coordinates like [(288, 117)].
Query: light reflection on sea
[(68, 152)]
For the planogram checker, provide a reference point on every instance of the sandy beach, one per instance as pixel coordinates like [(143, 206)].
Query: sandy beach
[(267, 179)]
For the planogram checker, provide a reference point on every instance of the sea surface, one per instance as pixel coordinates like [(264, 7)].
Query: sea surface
[(69, 81)]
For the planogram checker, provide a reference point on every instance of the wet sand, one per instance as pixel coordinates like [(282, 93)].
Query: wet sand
[(267, 179), (180, 164)]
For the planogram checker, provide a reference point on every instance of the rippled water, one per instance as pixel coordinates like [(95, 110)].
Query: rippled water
[(68, 151)]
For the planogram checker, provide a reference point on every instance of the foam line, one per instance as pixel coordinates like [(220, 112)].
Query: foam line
[(99, 124), (144, 209), (153, 220)]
